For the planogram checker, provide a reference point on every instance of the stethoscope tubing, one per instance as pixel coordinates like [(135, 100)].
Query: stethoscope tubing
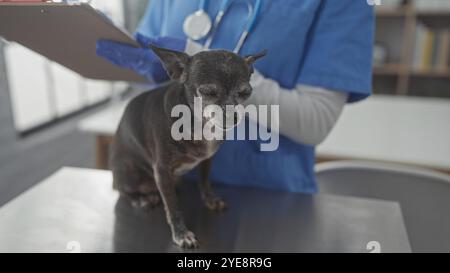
[(253, 12)]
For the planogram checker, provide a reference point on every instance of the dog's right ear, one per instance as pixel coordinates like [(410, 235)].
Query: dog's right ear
[(251, 59), (174, 62)]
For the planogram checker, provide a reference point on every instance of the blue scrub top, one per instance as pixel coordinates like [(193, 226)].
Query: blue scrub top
[(324, 43)]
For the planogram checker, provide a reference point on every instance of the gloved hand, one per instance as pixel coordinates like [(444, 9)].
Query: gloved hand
[(142, 60)]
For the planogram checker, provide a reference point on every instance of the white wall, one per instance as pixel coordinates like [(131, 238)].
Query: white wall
[(67, 88), (29, 87)]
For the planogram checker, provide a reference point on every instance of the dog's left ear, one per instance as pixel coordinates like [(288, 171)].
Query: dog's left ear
[(174, 61), (251, 59)]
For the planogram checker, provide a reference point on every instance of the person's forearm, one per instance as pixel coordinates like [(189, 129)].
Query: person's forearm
[(307, 114)]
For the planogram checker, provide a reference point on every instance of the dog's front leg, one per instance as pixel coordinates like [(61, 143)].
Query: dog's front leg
[(211, 200), (165, 181)]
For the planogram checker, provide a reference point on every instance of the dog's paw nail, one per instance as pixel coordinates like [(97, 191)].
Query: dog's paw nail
[(143, 203), (215, 204), (135, 204), (154, 200), (147, 202), (187, 240)]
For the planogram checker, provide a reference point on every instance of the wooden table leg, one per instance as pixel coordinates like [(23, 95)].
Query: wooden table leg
[(102, 151)]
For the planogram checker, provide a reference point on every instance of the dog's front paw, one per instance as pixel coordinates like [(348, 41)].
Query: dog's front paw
[(215, 203), (186, 240)]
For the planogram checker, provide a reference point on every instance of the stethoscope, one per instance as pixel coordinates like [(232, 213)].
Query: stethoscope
[(199, 24)]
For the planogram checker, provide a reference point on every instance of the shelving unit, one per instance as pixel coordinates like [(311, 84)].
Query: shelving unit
[(396, 30)]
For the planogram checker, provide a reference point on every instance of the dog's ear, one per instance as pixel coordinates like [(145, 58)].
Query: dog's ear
[(251, 59), (174, 61)]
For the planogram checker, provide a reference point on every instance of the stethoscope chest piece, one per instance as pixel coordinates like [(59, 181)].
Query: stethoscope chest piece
[(197, 25)]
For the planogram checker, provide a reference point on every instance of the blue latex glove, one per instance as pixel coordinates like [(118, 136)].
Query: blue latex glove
[(141, 60)]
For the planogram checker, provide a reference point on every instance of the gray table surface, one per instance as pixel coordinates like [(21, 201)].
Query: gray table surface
[(78, 207)]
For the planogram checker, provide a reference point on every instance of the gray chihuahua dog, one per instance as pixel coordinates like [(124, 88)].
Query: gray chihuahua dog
[(146, 161)]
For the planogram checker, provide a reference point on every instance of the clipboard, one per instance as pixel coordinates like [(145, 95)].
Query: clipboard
[(66, 34)]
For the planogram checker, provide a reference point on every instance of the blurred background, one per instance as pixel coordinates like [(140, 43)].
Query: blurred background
[(39, 116), (56, 118)]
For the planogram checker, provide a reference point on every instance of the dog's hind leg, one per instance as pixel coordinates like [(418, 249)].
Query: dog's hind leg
[(148, 196), (136, 185)]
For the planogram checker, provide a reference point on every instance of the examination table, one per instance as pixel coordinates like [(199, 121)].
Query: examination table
[(76, 210)]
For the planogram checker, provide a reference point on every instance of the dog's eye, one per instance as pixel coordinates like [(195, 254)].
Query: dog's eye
[(208, 91), (245, 91)]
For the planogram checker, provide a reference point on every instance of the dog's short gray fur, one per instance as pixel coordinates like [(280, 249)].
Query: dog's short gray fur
[(146, 161)]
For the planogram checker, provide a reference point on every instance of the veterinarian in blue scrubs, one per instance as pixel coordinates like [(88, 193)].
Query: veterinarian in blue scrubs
[(320, 58)]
